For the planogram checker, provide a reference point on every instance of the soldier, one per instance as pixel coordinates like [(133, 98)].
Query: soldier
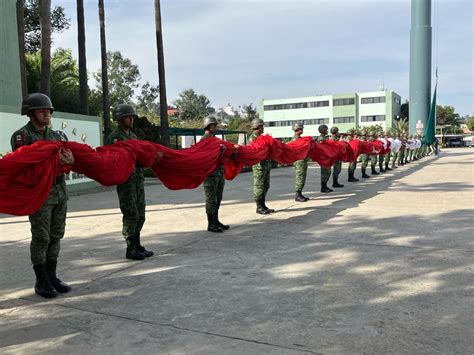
[(131, 193), (325, 172), (390, 140), (301, 167), (214, 183), (403, 147), (351, 134), (49, 222), (373, 157), (381, 157), (261, 172), (396, 154), (364, 158), (336, 169)]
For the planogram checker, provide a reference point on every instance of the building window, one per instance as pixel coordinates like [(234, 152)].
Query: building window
[(343, 102), (347, 119), (297, 105), (312, 121), (372, 100), (372, 118), (397, 100)]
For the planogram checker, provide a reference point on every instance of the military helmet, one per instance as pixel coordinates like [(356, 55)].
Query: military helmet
[(208, 121), (36, 101), (297, 126), (334, 130), (322, 128), (123, 110), (256, 122), (363, 132), (350, 132)]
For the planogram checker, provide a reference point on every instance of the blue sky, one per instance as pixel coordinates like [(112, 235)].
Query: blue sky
[(240, 51)]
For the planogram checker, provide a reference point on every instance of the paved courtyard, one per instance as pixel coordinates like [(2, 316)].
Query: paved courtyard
[(383, 265)]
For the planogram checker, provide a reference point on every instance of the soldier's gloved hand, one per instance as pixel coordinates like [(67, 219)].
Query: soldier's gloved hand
[(65, 156)]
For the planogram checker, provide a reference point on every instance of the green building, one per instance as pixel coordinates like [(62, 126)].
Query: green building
[(342, 110)]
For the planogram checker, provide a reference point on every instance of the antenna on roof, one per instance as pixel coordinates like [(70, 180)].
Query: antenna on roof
[(382, 87)]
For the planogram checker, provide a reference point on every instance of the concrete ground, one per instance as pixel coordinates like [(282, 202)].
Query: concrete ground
[(384, 265)]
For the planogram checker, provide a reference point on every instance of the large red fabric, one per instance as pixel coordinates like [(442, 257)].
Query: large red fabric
[(27, 174)]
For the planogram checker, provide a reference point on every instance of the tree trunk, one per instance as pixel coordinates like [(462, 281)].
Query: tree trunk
[(45, 22), (81, 42), (105, 78), (20, 21), (164, 125)]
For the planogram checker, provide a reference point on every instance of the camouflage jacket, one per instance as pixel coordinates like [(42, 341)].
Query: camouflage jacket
[(119, 135)]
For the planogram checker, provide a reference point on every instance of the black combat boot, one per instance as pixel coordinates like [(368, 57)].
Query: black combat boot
[(387, 168), (221, 225), (58, 285), (335, 183), (299, 197), (374, 172), (43, 286), (325, 188), (381, 169), (260, 208), (211, 224), (270, 210), (352, 178), (364, 175), (142, 249), (133, 252)]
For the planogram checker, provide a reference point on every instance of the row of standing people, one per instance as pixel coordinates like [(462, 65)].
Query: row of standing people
[(48, 223)]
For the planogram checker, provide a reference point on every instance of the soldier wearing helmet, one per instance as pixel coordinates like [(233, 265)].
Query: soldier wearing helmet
[(336, 168), (325, 172), (373, 157), (49, 222), (364, 158), (131, 193), (301, 167), (261, 172), (390, 144), (351, 134), (214, 183)]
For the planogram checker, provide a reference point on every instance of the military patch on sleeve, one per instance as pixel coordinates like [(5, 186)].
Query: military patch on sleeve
[(20, 140)]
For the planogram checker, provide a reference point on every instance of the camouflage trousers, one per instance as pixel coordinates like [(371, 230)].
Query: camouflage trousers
[(364, 158), (213, 189), (352, 166), (131, 196), (401, 156), (395, 158), (47, 230), (261, 179), (325, 174), (301, 167), (387, 158), (336, 169), (381, 160), (373, 161)]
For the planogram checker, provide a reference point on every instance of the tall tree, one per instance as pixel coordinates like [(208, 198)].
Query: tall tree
[(123, 78), (192, 106), (164, 126), (32, 27), (446, 115), (81, 41), (104, 78), (45, 20)]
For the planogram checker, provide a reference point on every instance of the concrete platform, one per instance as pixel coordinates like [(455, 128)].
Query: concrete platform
[(384, 265)]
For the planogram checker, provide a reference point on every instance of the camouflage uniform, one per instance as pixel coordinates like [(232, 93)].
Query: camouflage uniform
[(301, 167), (336, 168), (325, 172), (261, 176), (49, 222), (131, 193), (214, 186)]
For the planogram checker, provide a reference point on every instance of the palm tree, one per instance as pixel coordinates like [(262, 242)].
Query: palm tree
[(20, 15), (81, 41), (105, 78), (164, 124), (45, 21)]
